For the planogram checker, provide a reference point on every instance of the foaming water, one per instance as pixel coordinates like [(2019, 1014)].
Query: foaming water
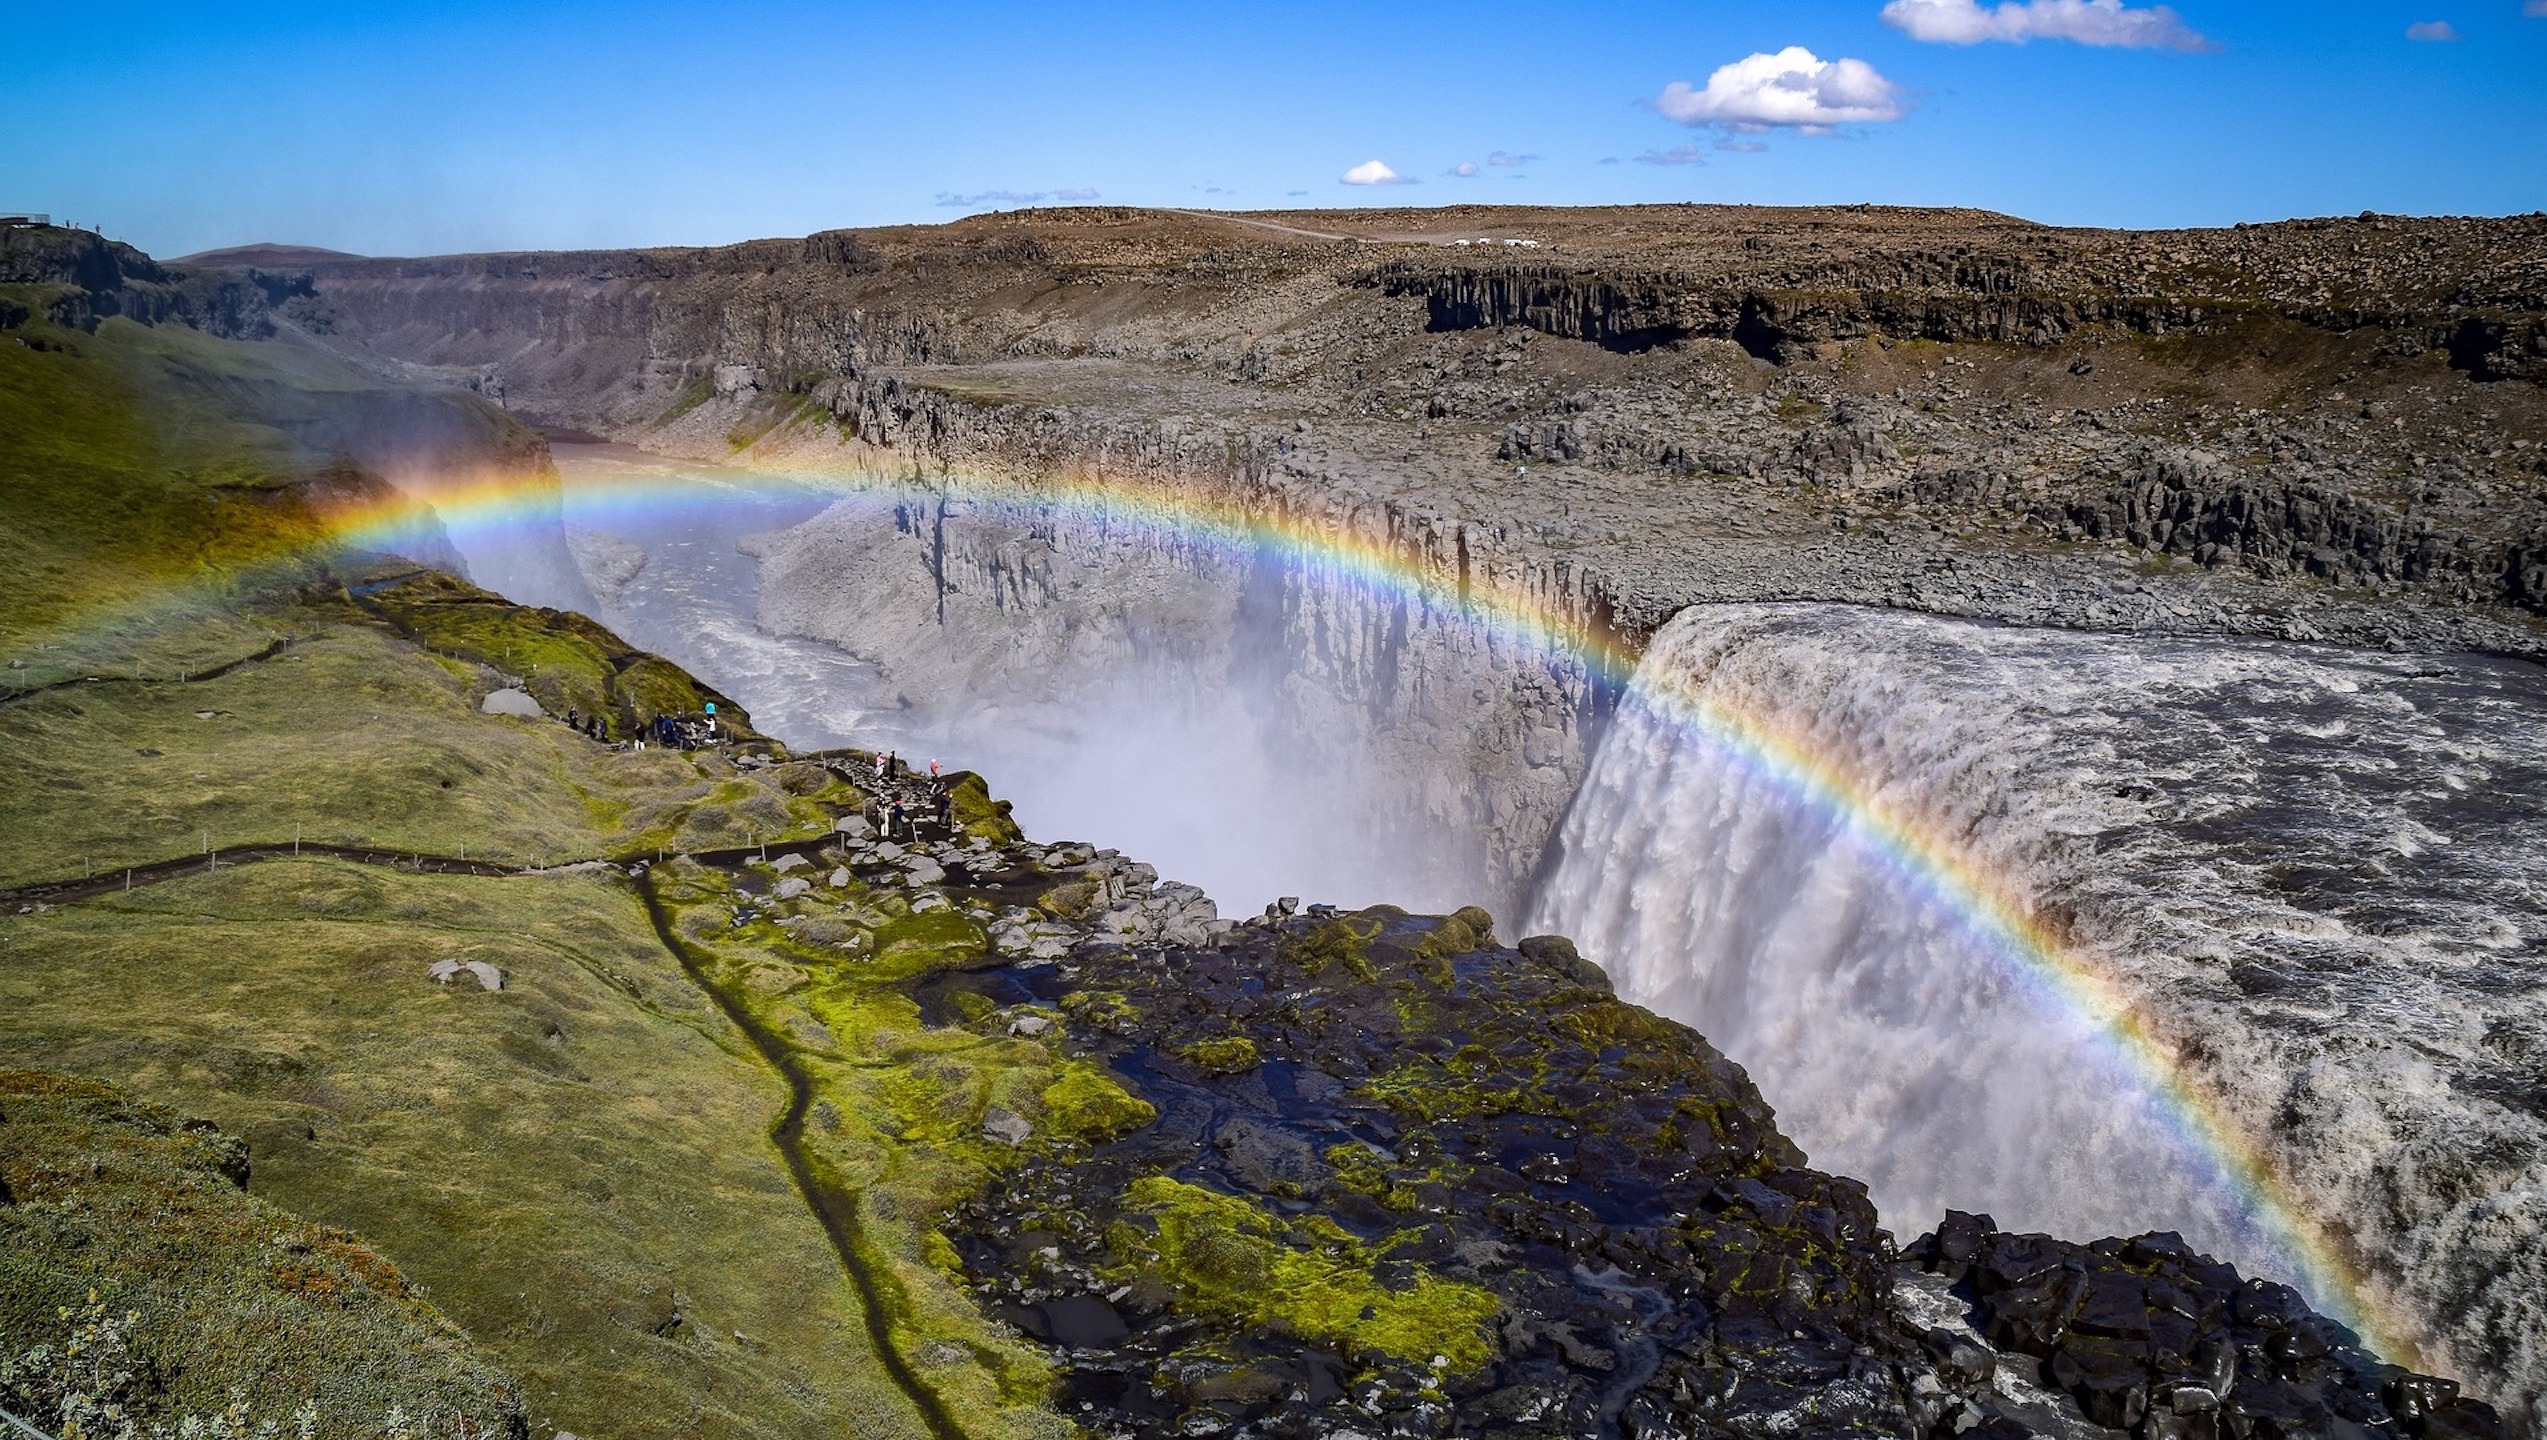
[(2318, 877)]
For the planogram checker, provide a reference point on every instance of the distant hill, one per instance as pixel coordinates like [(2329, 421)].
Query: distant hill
[(264, 257)]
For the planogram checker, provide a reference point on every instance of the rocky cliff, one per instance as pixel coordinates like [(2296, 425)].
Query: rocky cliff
[(2279, 430), (2353, 401)]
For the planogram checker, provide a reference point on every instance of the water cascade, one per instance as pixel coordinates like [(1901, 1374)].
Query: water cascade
[(2283, 863)]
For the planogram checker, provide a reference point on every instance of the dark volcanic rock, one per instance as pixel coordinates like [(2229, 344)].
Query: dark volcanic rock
[(1461, 1190), (2144, 1335)]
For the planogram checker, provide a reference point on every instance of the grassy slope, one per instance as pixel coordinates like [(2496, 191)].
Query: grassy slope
[(564, 1165), (109, 1196)]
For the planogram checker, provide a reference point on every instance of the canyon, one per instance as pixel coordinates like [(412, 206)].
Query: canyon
[(1066, 436), (2172, 598)]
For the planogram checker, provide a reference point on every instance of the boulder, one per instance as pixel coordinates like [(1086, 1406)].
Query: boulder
[(1005, 1127), (444, 971), (510, 701), (793, 886), (785, 863)]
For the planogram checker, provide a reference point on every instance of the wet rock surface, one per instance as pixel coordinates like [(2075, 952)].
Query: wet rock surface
[(2143, 1336), (1322, 1172), (1558, 1214)]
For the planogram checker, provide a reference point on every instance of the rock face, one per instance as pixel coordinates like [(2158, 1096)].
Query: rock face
[(2365, 390), (1013, 627), (98, 278), (2146, 1336), (1403, 1176)]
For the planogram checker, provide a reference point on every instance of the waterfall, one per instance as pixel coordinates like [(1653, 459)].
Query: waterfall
[(1896, 1039), (2298, 865)]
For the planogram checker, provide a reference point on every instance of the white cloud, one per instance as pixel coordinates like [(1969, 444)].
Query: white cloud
[(1373, 172), (1509, 161), (1741, 147), (2432, 30), (2088, 22), (1793, 88), (1464, 169), (1677, 155), (2535, 9)]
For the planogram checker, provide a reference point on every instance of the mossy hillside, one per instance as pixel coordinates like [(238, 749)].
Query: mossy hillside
[(565, 660), (347, 736), (107, 505), (124, 1209), (152, 472), (899, 1104), (576, 1168), (580, 1167)]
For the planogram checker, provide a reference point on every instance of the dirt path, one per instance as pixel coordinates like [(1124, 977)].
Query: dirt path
[(1266, 225), (182, 677)]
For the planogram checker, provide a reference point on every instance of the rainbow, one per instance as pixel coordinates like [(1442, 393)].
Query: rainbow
[(1934, 862)]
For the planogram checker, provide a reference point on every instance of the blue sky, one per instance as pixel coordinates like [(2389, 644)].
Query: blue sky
[(407, 128)]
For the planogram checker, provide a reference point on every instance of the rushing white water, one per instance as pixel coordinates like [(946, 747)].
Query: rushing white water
[(2321, 875)]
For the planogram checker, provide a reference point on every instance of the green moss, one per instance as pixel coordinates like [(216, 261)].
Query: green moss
[(654, 686), (1306, 1277), (1087, 1104), (1109, 1010), (698, 392), (977, 814), (940, 939), (1226, 1055), (1070, 898), (1466, 929), (1360, 1168), (1338, 950)]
